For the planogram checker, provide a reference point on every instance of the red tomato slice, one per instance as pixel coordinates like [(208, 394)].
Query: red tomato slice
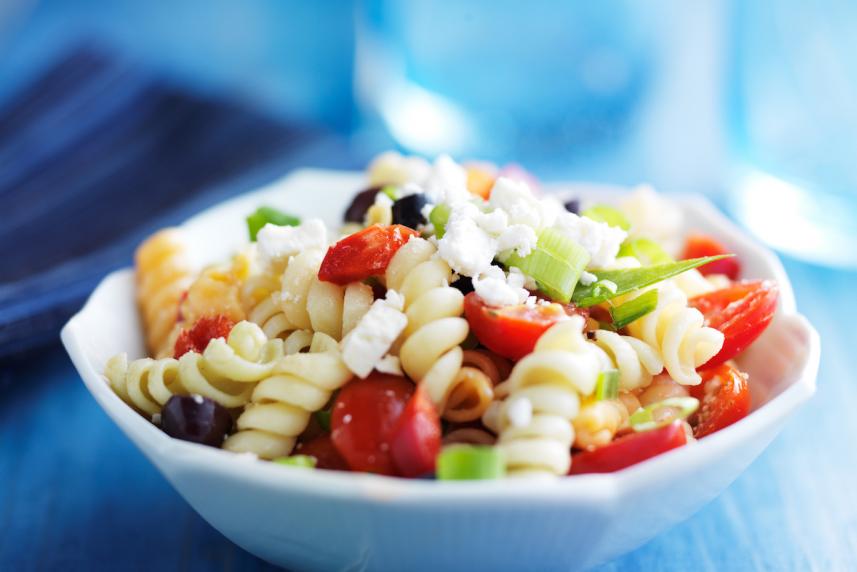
[(416, 439), (363, 254), (699, 245), (511, 331), (741, 311), (365, 415), (203, 331), (724, 398), (629, 450), (326, 455)]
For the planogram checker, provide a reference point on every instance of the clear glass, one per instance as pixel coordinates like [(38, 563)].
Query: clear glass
[(506, 80), (793, 124)]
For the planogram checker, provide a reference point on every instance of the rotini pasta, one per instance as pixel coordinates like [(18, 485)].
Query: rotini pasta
[(678, 333), (216, 291), (473, 386), (146, 384), (636, 360), (246, 355), (430, 352), (163, 274), (282, 403), (599, 421)]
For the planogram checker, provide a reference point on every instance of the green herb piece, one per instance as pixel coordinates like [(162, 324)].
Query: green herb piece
[(470, 463), (607, 386), (648, 418), (630, 279), (391, 191), (634, 309), (302, 461), (265, 215), (555, 264), (605, 213), (646, 250), (439, 216)]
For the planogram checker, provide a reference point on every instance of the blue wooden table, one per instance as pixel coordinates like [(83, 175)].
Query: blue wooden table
[(76, 495)]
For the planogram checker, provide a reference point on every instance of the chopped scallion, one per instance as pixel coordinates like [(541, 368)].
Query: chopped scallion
[(439, 216), (662, 413), (634, 309), (391, 191), (629, 279), (607, 386), (266, 215), (470, 463), (555, 264), (303, 461), (646, 250), (605, 213)]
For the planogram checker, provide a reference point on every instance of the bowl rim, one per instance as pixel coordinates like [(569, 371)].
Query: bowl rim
[(599, 489)]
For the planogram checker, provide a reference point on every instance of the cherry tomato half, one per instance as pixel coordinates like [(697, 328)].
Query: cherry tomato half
[(203, 331), (325, 453), (363, 254), (511, 331), (365, 414), (699, 245), (416, 439), (741, 311), (629, 450), (724, 398)]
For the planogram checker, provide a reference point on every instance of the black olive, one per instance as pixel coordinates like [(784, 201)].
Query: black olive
[(573, 206), (409, 210), (464, 284), (196, 419), (361, 202)]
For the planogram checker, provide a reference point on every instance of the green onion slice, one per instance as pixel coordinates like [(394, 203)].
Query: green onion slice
[(662, 413), (630, 279), (302, 461), (470, 463), (439, 216), (646, 250), (555, 264), (265, 215), (391, 191), (607, 386), (605, 213), (635, 309)]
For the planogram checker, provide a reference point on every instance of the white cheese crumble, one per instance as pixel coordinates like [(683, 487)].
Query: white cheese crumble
[(521, 206), (496, 288), (446, 182), (465, 246), (600, 240), (389, 364), (277, 243), (587, 278), (366, 345)]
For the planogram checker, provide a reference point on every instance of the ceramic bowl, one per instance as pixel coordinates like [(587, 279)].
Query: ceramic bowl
[(320, 520)]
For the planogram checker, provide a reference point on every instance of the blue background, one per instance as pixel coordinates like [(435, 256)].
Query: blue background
[(76, 495)]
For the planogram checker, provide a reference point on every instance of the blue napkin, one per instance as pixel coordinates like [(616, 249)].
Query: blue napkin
[(96, 153)]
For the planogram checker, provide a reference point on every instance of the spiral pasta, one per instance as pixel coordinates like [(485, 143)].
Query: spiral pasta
[(473, 387), (550, 381), (216, 291), (636, 360), (678, 333), (282, 403), (430, 352), (246, 355), (599, 421), (163, 274), (145, 384)]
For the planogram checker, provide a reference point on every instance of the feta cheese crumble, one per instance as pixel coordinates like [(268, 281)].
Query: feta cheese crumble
[(600, 240), (496, 288), (446, 182), (366, 346), (277, 243)]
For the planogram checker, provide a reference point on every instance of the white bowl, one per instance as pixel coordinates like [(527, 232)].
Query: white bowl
[(320, 520)]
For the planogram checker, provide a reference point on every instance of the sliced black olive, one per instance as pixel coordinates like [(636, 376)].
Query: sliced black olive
[(464, 284), (573, 206), (196, 419), (409, 210), (361, 202)]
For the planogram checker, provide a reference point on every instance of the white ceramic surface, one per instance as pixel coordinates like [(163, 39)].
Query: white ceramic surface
[(319, 520)]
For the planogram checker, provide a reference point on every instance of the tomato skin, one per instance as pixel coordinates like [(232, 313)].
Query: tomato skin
[(363, 254), (203, 331), (365, 415), (724, 398), (742, 312), (417, 437), (325, 453), (511, 331), (700, 245), (629, 450)]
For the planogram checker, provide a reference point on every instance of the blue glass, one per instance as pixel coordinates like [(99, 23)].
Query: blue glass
[(505, 80), (793, 119)]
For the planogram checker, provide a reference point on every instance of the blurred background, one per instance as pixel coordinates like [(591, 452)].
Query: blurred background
[(120, 116)]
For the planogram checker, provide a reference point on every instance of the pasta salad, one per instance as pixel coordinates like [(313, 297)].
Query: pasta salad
[(463, 324)]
